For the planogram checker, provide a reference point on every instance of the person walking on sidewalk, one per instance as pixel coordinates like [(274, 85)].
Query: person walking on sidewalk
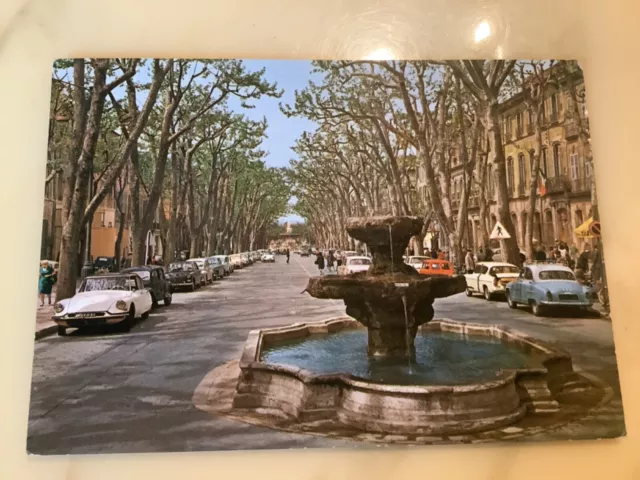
[(469, 263), (46, 282), (288, 255), (320, 262)]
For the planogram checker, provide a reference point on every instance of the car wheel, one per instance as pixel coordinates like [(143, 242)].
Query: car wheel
[(145, 315), (510, 301), (127, 323), (468, 292), (537, 309), (62, 331), (487, 294), (193, 285), (167, 299)]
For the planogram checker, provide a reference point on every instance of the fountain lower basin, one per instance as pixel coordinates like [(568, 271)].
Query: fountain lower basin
[(381, 397)]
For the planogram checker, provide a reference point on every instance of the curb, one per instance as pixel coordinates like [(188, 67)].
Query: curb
[(46, 332)]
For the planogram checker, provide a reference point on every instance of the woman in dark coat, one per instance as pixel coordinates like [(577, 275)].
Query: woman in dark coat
[(320, 262), (45, 281)]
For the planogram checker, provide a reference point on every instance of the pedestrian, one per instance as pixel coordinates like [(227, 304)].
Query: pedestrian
[(488, 254), (440, 255), (427, 253), (46, 281), (320, 262), (523, 258), (469, 264), (540, 255), (563, 249), (583, 260), (596, 266), (330, 261), (480, 255), (288, 254), (434, 254)]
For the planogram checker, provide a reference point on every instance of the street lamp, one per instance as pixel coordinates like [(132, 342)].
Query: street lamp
[(87, 268)]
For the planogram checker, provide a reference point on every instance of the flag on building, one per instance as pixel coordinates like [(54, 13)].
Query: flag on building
[(542, 183)]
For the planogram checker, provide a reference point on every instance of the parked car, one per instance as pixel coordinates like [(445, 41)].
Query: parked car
[(205, 269), (304, 253), (546, 286), (498, 256), (491, 278), (268, 257), (184, 275), (236, 261), (436, 267), (416, 261), (225, 260), (104, 264), (154, 280), (355, 264), (217, 269), (104, 300), (246, 261)]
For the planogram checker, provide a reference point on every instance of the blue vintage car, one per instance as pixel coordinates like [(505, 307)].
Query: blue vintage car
[(545, 286)]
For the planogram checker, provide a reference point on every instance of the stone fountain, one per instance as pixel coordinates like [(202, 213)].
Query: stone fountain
[(461, 377), (392, 299)]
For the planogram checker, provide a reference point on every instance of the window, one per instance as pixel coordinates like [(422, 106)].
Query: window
[(484, 269), (587, 168), (554, 107), (510, 174), (490, 181), (478, 269), (527, 274), (102, 219), (556, 160), (556, 275), (530, 121), (508, 135), (60, 187), (519, 129), (574, 165), (522, 173), (543, 166), (532, 159)]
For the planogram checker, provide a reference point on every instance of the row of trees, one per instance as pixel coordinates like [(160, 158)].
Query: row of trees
[(385, 127), (162, 136)]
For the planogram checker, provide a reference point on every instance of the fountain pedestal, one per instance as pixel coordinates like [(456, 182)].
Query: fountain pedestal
[(392, 300)]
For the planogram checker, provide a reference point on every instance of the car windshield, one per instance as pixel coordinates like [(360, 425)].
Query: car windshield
[(180, 267), (504, 269), (143, 275), (107, 283), (200, 264), (214, 260), (418, 259), (556, 275), (359, 261)]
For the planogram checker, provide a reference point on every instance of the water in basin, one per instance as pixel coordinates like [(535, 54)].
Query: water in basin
[(442, 358)]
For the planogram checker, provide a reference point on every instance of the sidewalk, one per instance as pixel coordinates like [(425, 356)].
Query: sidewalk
[(44, 325)]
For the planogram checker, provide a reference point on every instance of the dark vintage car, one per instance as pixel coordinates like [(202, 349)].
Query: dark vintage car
[(184, 275), (104, 264), (154, 280)]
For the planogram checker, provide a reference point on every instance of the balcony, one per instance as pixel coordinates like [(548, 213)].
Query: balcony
[(571, 129), (558, 184), (581, 185)]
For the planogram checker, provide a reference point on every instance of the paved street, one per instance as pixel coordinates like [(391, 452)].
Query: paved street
[(109, 392)]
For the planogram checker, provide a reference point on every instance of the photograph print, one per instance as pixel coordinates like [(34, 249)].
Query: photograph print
[(248, 254)]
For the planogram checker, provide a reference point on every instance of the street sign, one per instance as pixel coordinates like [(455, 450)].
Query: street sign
[(594, 228), (499, 232)]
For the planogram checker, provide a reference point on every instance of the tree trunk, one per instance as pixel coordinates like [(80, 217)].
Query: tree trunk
[(533, 186), (496, 148)]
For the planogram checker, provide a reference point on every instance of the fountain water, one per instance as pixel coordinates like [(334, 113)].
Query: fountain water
[(392, 299)]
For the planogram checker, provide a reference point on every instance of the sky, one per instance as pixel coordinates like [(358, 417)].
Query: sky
[(282, 132)]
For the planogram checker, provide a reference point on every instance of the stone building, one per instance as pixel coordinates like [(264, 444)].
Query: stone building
[(567, 201)]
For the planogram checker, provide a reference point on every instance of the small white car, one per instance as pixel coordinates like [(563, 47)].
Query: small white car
[(354, 264), (268, 257), (104, 300), (416, 261), (491, 278)]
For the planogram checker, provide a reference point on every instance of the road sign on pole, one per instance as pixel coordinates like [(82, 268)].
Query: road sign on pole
[(594, 228), (499, 232)]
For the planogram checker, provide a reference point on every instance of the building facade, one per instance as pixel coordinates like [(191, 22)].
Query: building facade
[(566, 204)]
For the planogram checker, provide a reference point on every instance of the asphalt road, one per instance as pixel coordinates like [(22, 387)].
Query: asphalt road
[(106, 392)]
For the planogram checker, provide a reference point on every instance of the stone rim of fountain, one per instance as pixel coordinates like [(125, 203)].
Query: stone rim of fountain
[(368, 405)]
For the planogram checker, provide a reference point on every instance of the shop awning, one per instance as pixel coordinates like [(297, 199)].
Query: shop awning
[(584, 230)]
